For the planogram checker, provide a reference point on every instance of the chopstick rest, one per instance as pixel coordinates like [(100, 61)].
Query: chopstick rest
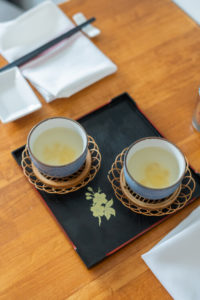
[(90, 30)]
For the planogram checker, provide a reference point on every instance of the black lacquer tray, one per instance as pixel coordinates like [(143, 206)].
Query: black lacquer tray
[(93, 219)]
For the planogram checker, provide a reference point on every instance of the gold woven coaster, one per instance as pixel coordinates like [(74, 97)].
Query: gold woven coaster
[(68, 184), (67, 181), (144, 206)]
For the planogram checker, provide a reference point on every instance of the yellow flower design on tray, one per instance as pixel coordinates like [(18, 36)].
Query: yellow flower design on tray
[(101, 207)]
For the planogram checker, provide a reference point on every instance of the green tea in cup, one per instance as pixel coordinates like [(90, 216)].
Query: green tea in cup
[(57, 146)]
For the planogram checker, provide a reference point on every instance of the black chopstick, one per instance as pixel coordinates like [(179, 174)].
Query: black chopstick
[(24, 59)]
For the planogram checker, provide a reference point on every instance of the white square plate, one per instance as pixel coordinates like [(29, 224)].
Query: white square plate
[(16, 97), (192, 8)]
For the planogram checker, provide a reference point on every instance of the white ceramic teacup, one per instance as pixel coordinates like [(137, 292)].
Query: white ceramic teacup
[(58, 146), (154, 167)]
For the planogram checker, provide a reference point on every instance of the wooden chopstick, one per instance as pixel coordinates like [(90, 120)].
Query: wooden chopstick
[(27, 57)]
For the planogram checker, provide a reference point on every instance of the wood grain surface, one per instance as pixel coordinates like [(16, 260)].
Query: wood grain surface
[(156, 48)]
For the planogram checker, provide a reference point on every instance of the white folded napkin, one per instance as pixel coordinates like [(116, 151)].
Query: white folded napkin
[(175, 260), (59, 72)]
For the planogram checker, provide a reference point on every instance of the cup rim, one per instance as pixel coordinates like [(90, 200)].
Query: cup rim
[(150, 188), (56, 166)]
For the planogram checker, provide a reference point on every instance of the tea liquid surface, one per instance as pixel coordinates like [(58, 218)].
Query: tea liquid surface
[(58, 146), (154, 167)]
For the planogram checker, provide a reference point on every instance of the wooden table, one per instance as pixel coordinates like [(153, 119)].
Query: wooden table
[(156, 48)]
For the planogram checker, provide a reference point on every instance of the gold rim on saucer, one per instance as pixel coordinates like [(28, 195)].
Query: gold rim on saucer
[(68, 184), (144, 206)]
